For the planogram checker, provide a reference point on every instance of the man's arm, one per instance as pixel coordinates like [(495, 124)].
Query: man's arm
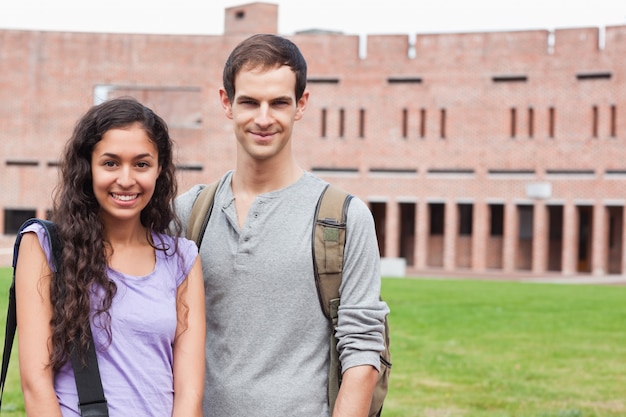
[(356, 391)]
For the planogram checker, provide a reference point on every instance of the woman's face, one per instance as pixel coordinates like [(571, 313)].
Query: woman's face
[(124, 168)]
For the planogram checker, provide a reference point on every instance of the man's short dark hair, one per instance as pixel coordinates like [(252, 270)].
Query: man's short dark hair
[(265, 51)]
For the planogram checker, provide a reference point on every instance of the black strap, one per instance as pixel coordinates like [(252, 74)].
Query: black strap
[(91, 401), (88, 383)]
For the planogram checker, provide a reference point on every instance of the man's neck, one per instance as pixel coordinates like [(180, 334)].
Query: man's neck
[(259, 178)]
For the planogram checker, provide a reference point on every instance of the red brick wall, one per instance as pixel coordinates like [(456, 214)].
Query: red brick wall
[(47, 80)]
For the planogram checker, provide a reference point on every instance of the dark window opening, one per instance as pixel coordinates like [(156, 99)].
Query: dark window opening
[(443, 124), (404, 80), (509, 78), (405, 122), (613, 121), (496, 219), (240, 14), (322, 80), (513, 121), (393, 170), (335, 169), (594, 76), (570, 171), (531, 122), (422, 123), (323, 132), (13, 219), (451, 171), (594, 121), (436, 215), (511, 171), (362, 123), (525, 222), (13, 163), (342, 122), (465, 219)]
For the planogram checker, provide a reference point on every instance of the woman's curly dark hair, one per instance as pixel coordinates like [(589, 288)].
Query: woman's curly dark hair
[(77, 215)]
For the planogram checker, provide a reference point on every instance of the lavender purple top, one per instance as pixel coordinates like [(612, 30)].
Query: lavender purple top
[(136, 367)]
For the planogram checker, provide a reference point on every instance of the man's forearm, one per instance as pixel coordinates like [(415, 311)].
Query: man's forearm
[(355, 393)]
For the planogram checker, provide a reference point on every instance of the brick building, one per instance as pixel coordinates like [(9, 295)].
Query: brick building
[(497, 152)]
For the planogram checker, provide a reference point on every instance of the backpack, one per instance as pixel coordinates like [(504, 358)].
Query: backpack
[(91, 400), (327, 241)]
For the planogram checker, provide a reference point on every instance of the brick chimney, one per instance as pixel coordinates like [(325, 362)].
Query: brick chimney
[(251, 18)]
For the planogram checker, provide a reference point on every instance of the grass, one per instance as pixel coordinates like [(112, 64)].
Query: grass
[(506, 349), (464, 348)]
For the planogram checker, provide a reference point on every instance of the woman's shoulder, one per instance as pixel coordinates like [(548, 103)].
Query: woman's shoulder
[(44, 240)]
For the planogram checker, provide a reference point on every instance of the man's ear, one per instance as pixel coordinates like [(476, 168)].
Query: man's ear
[(301, 104), (226, 104)]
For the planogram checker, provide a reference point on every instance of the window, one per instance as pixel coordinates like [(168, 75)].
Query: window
[(362, 123), (509, 79), (422, 123), (613, 121), (525, 221), (465, 219), (513, 122), (13, 219), (404, 80), (496, 219), (593, 76), (436, 212), (405, 122), (342, 122), (322, 80), (323, 132), (531, 122), (594, 121)]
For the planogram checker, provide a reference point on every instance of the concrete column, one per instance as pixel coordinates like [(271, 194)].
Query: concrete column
[(511, 233), (450, 233), (600, 240), (480, 234), (540, 237), (570, 239), (392, 225)]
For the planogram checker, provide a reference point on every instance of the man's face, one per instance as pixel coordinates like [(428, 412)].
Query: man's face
[(264, 111)]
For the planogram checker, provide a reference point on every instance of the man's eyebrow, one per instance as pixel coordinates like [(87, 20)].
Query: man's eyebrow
[(280, 98), (283, 98), (247, 98), (113, 155)]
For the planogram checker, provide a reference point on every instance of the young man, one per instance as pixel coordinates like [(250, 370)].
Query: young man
[(267, 351)]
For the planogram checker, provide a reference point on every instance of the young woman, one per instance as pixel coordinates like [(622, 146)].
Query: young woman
[(122, 273)]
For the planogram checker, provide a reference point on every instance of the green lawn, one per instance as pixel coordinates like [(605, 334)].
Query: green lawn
[(506, 349), (464, 348)]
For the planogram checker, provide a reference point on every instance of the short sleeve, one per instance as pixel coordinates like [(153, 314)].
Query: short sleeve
[(44, 241)]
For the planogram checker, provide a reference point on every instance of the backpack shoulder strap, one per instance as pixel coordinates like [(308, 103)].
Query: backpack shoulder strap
[(11, 323), (200, 213), (88, 382), (328, 243), (329, 237)]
